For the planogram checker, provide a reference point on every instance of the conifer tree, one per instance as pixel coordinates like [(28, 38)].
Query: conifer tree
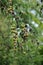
[(21, 32)]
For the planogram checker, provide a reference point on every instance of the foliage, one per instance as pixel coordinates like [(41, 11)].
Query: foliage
[(21, 32)]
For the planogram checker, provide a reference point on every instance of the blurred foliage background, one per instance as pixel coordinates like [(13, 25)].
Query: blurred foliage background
[(21, 32)]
